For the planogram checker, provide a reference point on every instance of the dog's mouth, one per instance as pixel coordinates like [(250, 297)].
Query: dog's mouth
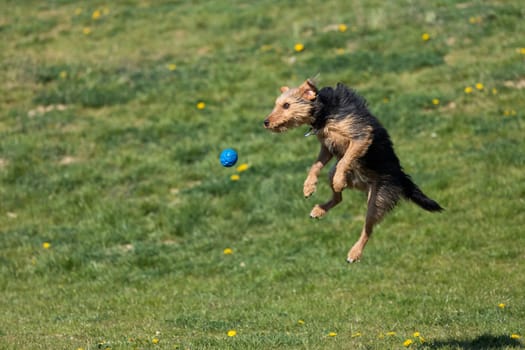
[(277, 128), (281, 127)]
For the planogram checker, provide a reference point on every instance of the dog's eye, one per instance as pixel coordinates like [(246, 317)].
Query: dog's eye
[(286, 105)]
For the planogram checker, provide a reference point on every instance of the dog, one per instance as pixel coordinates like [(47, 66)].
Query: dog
[(365, 155)]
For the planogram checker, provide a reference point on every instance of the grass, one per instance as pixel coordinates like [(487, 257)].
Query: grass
[(116, 216)]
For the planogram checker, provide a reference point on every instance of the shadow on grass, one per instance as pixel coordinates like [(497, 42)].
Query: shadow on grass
[(485, 341)]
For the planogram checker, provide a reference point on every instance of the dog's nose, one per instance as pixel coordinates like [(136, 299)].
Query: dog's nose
[(266, 123)]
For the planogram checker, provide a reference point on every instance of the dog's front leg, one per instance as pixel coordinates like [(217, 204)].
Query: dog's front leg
[(311, 180), (356, 149)]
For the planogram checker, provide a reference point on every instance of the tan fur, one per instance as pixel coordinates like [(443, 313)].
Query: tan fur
[(338, 139)]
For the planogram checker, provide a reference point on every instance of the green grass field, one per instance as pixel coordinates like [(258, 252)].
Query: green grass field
[(120, 229)]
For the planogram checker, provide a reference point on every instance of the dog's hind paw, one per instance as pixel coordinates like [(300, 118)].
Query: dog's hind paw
[(354, 255), (317, 212)]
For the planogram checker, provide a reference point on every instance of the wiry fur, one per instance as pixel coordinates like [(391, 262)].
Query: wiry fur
[(365, 154)]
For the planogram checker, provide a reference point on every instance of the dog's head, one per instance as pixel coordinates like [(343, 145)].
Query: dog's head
[(293, 108)]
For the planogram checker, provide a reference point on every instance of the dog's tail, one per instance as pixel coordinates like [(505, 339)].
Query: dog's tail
[(414, 193)]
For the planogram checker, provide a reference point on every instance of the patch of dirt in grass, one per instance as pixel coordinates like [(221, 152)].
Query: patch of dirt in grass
[(67, 160), (41, 110), (519, 84)]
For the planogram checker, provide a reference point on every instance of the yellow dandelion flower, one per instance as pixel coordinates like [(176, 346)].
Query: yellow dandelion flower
[(390, 334), (62, 74), (232, 333), (228, 251), (480, 86), (340, 51), (172, 66), (407, 343), (96, 14), (46, 245), (515, 336), (86, 30), (342, 28), (416, 334), (474, 20), (235, 177), (298, 47), (468, 89), (201, 105), (155, 340), (332, 334), (300, 322), (425, 37), (522, 50), (242, 167), (435, 101), (356, 335), (502, 305)]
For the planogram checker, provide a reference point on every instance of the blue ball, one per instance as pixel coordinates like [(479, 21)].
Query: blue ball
[(228, 157)]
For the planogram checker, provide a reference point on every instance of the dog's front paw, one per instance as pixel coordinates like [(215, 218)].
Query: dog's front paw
[(317, 212), (339, 182), (309, 187)]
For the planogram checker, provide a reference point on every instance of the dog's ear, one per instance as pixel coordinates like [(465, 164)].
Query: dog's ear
[(308, 90), (284, 89)]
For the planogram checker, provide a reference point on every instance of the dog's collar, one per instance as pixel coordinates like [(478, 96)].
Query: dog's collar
[(311, 131)]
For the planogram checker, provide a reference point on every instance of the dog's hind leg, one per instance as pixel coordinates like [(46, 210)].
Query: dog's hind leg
[(373, 216), (382, 197), (321, 209)]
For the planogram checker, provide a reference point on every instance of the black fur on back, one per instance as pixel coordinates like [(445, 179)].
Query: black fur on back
[(343, 102), (337, 103)]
